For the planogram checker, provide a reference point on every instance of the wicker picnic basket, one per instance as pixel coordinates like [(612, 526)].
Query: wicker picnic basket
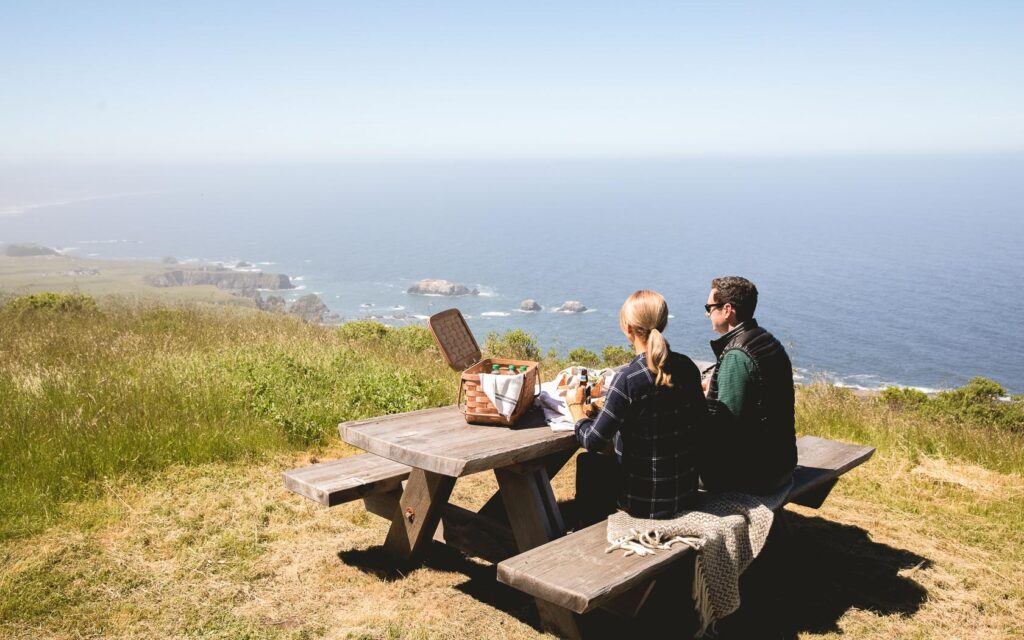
[(460, 350)]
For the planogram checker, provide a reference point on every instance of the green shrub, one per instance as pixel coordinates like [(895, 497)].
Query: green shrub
[(584, 357), (52, 302), (904, 397), (616, 356), (362, 330), (979, 402), (515, 344), (413, 337)]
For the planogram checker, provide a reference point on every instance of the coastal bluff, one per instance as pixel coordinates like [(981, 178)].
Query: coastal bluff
[(220, 278), (15, 250)]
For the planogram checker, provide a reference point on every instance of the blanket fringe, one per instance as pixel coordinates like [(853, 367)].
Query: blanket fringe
[(702, 601), (643, 543)]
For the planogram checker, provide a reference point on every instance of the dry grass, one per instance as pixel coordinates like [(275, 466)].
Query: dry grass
[(203, 541), (224, 551)]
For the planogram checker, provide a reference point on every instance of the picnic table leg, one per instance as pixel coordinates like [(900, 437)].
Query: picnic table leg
[(495, 508), (419, 511), (535, 519)]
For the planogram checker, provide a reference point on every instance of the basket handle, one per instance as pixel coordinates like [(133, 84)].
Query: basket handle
[(540, 379), (458, 399)]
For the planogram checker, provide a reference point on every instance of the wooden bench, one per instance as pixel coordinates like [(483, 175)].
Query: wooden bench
[(575, 573), (340, 481), (379, 483)]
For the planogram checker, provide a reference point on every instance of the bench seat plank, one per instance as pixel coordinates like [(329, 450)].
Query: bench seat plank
[(339, 481), (575, 573)]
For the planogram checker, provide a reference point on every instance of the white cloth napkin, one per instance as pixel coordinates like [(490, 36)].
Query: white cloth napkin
[(502, 391), (556, 413)]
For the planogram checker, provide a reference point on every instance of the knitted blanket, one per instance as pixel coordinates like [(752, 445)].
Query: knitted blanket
[(728, 532)]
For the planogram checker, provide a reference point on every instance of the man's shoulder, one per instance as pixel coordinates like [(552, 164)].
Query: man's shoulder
[(737, 359)]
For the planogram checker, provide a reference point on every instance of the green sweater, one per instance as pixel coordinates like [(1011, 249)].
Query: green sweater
[(734, 379)]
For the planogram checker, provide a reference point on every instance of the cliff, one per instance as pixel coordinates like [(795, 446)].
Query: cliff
[(220, 278)]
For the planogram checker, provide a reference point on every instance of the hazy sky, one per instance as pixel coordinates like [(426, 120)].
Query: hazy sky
[(247, 81)]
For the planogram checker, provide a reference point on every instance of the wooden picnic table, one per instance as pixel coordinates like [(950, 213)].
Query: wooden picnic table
[(439, 447), (521, 527)]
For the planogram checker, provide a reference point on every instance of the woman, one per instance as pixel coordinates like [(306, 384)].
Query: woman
[(654, 412)]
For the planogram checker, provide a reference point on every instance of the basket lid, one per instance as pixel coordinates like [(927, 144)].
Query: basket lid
[(452, 334)]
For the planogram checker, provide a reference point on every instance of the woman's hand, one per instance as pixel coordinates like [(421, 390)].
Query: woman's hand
[(578, 410)]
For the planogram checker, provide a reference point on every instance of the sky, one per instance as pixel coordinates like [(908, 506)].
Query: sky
[(196, 82)]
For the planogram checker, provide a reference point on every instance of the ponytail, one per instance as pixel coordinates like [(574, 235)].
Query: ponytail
[(647, 313), (657, 358)]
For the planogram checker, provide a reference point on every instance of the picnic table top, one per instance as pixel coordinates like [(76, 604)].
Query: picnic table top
[(440, 441)]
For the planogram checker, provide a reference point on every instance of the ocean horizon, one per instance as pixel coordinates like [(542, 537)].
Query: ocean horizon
[(873, 270)]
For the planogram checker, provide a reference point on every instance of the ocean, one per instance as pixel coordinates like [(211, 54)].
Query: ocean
[(872, 270)]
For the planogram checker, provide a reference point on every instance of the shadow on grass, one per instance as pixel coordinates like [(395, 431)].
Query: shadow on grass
[(827, 568), (438, 557), (810, 574)]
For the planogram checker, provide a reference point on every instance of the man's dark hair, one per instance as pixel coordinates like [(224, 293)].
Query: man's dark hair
[(739, 292)]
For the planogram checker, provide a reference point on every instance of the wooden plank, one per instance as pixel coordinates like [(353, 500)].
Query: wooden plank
[(628, 604), (838, 457), (536, 519), (339, 481), (419, 512), (440, 441), (553, 463), (575, 573), (475, 535), (819, 463), (532, 510), (384, 505)]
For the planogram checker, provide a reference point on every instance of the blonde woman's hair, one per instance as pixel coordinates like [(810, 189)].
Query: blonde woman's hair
[(647, 313)]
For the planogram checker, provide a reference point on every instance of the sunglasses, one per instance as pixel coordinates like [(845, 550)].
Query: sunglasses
[(709, 307)]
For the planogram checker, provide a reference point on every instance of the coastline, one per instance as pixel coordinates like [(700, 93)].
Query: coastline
[(116, 278), (103, 278)]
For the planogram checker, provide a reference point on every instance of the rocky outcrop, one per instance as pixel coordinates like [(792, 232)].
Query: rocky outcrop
[(272, 304), (440, 288), (169, 260), (572, 306), (220, 278), (27, 250), (310, 308), (244, 265), (529, 305)]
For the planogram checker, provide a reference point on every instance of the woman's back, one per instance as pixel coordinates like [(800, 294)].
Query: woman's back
[(656, 430)]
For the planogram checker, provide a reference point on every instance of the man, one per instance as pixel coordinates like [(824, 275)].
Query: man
[(751, 443)]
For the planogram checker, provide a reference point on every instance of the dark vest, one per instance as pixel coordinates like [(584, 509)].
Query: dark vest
[(756, 450)]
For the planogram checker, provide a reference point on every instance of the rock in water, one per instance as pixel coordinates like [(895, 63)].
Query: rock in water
[(27, 250), (169, 260), (441, 288), (310, 308), (572, 306), (529, 305)]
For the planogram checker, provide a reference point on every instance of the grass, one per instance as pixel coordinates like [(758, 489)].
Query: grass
[(141, 448), (91, 395)]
